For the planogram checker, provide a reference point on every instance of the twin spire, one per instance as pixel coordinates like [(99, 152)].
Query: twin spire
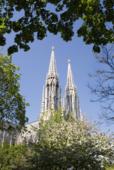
[(53, 70), (52, 92)]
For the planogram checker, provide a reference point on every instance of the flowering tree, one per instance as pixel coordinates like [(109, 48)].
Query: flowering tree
[(71, 144), (62, 145)]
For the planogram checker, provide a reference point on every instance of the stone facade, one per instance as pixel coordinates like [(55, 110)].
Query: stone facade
[(71, 100), (28, 134), (51, 97)]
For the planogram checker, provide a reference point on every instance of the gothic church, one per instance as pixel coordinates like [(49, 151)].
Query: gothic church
[(52, 101), (51, 98)]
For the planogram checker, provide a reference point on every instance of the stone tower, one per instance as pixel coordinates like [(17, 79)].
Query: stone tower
[(51, 97), (71, 100)]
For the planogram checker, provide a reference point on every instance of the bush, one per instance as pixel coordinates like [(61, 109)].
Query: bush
[(67, 144), (13, 157)]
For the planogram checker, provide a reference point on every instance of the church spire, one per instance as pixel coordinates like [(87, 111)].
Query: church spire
[(70, 81), (71, 97), (52, 66), (51, 95)]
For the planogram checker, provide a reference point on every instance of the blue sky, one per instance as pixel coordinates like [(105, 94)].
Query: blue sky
[(34, 66)]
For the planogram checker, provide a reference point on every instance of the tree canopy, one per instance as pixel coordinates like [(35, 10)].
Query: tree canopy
[(13, 157), (30, 20), (12, 103), (66, 144)]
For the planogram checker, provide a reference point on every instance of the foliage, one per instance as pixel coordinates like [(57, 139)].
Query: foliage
[(12, 103), (61, 145), (34, 18), (55, 116), (13, 157), (110, 168), (71, 144)]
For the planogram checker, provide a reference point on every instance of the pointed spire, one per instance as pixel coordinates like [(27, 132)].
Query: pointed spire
[(52, 66), (70, 81)]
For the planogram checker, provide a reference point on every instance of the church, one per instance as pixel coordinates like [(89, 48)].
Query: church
[(51, 97), (52, 101)]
